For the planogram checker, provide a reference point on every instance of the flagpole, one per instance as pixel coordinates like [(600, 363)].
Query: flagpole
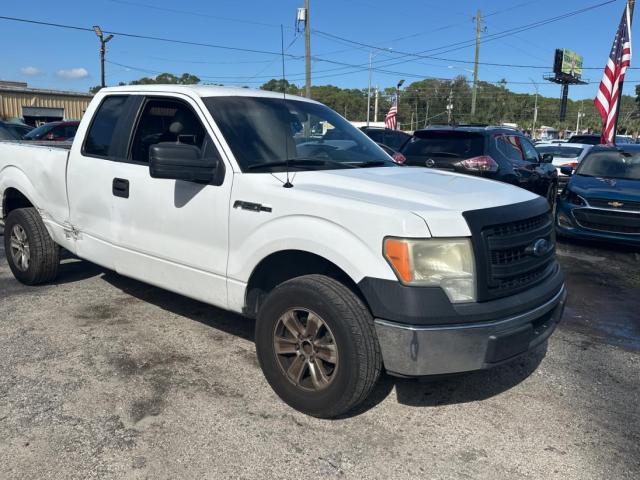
[(630, 7)]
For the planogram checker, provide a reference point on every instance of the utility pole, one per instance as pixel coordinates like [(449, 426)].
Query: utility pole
[(450, 106), (475, 66), (103, 49), (307, 50), (369, 89), (375, 105), (580, 115), (535, 110), (426, 115)]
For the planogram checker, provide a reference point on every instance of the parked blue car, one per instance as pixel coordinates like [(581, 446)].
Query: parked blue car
[(602, 199)]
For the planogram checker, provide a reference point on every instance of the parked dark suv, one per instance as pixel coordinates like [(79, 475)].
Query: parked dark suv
[(386, 136), (498, 153)]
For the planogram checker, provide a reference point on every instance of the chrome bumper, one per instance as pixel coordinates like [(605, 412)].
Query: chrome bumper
[(417, 351)]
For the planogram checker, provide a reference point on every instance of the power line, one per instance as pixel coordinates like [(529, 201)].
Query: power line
[(467, 43), (147, 37)]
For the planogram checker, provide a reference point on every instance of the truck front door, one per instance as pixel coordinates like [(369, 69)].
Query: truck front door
[(173, 233)]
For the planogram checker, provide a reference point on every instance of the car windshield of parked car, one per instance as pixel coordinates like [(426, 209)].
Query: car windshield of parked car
[(445, 144), (557, 151), (621, 165), (39, 132), (263, 133)]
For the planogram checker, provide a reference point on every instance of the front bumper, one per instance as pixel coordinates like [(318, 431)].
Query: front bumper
[(413, 350)]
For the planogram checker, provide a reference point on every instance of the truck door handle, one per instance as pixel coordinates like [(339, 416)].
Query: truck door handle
[(120, 188)]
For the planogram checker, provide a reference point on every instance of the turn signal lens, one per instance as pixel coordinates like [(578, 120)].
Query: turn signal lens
[(399, 158), (397, 253)]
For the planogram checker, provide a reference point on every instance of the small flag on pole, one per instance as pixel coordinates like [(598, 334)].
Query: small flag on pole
[(607, 101), (390, 120)]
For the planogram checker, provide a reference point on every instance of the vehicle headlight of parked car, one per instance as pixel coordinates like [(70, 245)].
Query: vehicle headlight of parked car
[(446, 263), (574, 198)]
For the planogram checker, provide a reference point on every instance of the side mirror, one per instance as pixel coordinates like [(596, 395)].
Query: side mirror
[(566, 170), (180, 161), (546, 158)]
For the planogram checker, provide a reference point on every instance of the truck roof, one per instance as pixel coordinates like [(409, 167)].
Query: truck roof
[(203, 91)]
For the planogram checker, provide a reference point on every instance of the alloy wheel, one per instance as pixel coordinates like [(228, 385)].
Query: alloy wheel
[(305, 349), (19, 248)]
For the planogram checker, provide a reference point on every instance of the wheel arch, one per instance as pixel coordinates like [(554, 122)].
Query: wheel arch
[(283, 265), (12, 199)]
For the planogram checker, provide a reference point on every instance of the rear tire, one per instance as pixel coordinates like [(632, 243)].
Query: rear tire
[(32, 254), (317, 346), (552, 197)]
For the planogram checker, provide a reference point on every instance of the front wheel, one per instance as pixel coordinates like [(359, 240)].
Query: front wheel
[(31, 253), (317, 346)]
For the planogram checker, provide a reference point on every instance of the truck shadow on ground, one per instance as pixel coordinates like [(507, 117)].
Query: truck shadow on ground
[(426, 392)]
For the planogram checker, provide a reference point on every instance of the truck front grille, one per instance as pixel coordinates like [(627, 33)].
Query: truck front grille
[(512, 263), (503, 240)]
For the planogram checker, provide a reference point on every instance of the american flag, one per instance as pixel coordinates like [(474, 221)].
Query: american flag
[(390, 120), (611, 85)]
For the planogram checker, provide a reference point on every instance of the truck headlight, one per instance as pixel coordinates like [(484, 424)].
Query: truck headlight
[(447, 263)]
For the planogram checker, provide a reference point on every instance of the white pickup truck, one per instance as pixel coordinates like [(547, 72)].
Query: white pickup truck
[(348, 262)]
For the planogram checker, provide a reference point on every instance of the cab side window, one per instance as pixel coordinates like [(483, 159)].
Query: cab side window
[(99, 138), (172, 121)]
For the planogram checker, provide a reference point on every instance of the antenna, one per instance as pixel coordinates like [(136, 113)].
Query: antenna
[(288, 183)]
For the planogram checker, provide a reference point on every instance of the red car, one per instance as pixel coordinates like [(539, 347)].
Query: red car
[(54, 131)]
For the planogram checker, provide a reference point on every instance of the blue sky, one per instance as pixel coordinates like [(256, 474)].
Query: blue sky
[(68, 60)]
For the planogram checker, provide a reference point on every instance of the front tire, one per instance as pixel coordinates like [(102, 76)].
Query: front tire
[(317, 346), (32, 254)]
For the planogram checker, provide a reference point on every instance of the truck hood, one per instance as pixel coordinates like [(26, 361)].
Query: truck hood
[(438, 197)]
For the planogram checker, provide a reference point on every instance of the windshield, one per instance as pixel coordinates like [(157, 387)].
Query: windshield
[(265, 132), (39, 132), (445, 144), (556, 151), (622, 165)]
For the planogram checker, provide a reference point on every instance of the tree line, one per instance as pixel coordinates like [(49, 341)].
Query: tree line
[(425, 102)]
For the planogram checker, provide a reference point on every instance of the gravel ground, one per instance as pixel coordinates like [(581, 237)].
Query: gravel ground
[(105, 377)]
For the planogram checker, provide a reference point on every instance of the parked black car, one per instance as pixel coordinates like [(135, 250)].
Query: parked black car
[(498, 153), (13, 131), (590, 139), (391, 138)]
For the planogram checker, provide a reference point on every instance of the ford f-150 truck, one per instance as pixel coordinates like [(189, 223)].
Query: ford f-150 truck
[(349, 263)]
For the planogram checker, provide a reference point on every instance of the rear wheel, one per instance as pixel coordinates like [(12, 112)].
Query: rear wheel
[(31, 253), (317, 346)]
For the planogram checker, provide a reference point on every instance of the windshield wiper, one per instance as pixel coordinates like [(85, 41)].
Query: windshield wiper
[(299, 163), (373, 163)]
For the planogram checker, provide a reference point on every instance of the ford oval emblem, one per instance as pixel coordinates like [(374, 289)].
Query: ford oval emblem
[(539, 247), (430, 163)]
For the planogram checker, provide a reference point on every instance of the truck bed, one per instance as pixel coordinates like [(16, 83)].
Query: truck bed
[(39, 171)]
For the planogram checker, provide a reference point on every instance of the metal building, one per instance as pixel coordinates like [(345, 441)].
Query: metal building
[(36, 106)]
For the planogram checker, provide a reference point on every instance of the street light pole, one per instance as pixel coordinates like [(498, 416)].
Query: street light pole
[(398, 101), (103, 49)]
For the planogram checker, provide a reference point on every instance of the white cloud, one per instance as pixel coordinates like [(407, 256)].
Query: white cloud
[(31, 71), (72, 73)]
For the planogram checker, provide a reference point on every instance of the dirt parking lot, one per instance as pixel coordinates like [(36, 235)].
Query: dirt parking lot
[(106, 377)]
